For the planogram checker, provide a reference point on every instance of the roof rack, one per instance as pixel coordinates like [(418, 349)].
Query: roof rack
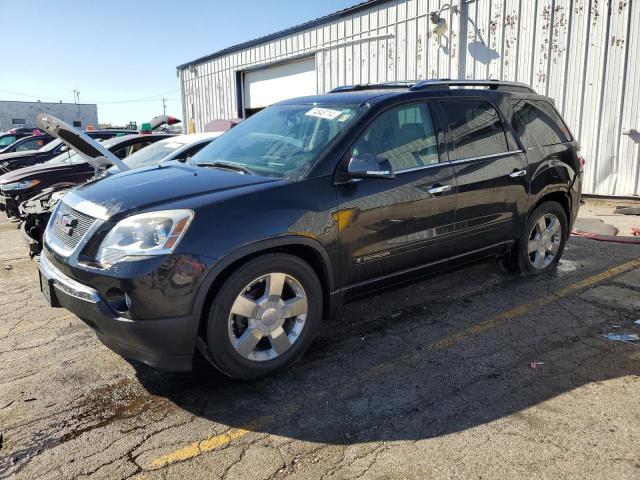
[(491, 84), (374, 86)]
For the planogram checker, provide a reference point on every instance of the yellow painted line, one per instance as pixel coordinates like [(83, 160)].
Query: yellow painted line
[(515, 312), (208, 444), (198, 448)]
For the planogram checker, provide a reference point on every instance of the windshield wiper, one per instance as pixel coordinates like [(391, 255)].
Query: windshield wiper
[(227, 166)]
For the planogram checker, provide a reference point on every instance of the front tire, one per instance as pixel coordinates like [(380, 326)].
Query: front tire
[(264, 317), (542, 241)]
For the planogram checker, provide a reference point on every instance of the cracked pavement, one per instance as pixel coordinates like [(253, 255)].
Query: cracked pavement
[(430, 380)]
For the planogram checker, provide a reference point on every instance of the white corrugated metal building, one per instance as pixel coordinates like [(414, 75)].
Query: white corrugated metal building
[(583, 53)]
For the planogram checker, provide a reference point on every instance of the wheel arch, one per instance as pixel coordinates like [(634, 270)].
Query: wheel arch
[(559, 195), (305, 248)]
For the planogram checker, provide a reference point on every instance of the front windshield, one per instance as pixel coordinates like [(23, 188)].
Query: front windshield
[(69, 156), (153, 154), (283, 141), (51, 145)]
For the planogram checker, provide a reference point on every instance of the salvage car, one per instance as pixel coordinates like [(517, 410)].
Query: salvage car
[(36, 211), (311, 202), (68, 167), (21, 159)]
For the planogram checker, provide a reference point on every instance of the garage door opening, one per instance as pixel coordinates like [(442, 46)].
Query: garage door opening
[(270, 85)]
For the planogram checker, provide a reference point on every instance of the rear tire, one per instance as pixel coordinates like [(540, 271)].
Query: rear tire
[(264, 316), (541, 243)]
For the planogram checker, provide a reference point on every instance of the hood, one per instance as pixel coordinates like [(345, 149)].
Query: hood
[(88, 149), (34, 171), (149, 187), (4, 157)]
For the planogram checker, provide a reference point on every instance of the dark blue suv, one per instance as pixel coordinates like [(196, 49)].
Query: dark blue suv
[(245, 249)]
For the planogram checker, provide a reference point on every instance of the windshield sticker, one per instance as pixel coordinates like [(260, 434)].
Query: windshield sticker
[(173, 145), (325, 113)]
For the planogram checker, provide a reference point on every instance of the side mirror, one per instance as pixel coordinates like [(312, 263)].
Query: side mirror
[(366, 165)]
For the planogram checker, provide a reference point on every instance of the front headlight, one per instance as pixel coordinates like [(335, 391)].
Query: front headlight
[(153, 233), (23, 185)]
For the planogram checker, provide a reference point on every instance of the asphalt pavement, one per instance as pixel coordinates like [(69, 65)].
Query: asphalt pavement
[(471, 374)]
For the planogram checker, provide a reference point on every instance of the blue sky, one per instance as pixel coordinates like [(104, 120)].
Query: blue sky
[(119, 51)]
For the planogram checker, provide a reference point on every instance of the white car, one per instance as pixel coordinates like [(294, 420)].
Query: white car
[(178, 148)]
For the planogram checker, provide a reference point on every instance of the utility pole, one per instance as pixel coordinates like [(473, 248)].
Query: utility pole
[(164, 106)]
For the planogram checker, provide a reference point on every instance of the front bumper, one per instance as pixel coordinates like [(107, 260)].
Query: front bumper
[(164, 343), (9, 205)]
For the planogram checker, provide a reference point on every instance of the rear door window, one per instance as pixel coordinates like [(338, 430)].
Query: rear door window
[(476, 129), (404, 135), (31, 144), (538, 120)]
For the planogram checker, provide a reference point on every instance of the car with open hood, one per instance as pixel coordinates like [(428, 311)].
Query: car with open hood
[(25, 158), (242, 252), (35, 212), (67, 168)]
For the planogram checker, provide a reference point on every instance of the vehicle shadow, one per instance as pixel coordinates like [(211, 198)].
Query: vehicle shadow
[(380, 373)]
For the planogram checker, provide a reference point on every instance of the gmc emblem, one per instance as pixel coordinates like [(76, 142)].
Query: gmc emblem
[(67, 223)]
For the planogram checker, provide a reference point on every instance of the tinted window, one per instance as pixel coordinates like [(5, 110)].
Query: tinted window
[(404, 135), (32, 144), (475, 128), (539, 120), (8, 140)]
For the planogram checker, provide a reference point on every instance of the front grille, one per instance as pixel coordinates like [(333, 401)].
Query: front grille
[(68, 228)]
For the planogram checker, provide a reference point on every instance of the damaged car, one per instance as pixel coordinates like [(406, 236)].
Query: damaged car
[(67, 168), (20, 159), (36, 211)]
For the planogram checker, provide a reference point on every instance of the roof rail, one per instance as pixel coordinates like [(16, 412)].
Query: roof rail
[(374, 86), (491, 84)]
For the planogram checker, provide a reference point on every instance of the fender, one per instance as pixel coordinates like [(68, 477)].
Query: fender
[(258, 246), (546, 191)]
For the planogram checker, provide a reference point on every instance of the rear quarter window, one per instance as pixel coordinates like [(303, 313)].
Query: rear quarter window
[(476, 129), (538, 120)]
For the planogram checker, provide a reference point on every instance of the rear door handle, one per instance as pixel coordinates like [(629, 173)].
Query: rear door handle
[(518, 173), (439, 189)]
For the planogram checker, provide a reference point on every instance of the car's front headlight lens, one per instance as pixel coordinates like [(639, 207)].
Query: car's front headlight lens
[(153, 233), (23, 185)]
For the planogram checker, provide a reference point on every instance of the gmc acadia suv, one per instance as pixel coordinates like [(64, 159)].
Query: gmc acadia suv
[(242, 251)]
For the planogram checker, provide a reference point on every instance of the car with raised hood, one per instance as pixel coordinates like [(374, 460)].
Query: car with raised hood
[(70, 167), (243, 251), (36, 211), (25, 158)]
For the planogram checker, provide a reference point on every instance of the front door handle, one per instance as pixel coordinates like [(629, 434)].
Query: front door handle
[(439, 189), (518, 173)]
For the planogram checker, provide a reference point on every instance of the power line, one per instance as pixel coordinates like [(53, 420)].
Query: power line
[(144, 99), (154, 97), (28, 95)]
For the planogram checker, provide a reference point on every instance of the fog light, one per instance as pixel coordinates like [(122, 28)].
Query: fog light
[(118, 300)]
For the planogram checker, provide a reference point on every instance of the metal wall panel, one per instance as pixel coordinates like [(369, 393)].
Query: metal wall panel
[(583, 53)]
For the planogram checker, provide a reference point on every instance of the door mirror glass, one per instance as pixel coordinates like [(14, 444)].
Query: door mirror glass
[(366, 165)]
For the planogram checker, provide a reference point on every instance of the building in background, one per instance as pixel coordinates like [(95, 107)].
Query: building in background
[(585, 54), (23, 114)]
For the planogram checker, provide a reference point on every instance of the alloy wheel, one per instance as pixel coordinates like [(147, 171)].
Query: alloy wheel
[(268, 316), (544, 241)]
